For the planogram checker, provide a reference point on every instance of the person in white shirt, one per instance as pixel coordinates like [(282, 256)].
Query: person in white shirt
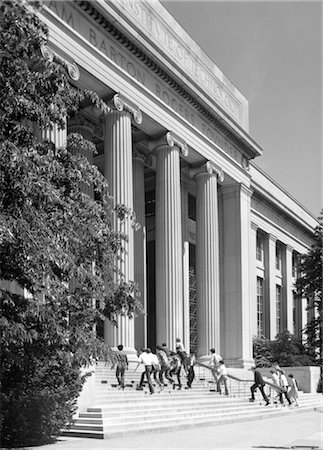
[(156, 370), (146, 358), (214, 364), (223, 378), (182, 354), (276, 382), (284, 385)]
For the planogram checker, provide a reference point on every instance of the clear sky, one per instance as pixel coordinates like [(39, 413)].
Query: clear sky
[(272, 52)]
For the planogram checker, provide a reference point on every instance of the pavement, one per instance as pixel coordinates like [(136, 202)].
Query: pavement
[(295, 430)]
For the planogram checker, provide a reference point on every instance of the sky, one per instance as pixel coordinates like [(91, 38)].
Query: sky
[(272, 52)]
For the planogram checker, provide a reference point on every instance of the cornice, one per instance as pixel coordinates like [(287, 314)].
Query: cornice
[(89, 8)]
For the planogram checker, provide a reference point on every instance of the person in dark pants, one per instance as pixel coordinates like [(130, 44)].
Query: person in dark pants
[(176, 367), (121, 364), (190, 371), (259, 383), (146, 358)]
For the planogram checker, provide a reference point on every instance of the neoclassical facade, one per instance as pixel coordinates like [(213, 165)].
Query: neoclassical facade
[(216, 255)]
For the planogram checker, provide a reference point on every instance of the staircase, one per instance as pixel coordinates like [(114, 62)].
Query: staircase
[(123, 412)]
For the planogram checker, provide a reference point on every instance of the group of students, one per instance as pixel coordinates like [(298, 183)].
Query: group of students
[(165, 364), (284, 389)]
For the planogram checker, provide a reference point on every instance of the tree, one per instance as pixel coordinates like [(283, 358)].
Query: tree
[(309, 286), (286, 349), (52, 237)]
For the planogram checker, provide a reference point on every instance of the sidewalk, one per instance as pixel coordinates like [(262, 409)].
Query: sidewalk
[(295, 430)]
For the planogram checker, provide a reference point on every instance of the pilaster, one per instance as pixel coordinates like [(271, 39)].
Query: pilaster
[(270, 287), (288, 289), (253, 278), (237, 296)]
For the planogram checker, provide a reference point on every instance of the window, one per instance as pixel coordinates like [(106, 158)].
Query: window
[(260, 306), (150, 203), (260, 248), (278, 308), (191, 205), (278, 257)]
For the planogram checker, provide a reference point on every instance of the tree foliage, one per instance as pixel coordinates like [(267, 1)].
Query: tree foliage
[(286, 349), (309, 286), (58, 249)]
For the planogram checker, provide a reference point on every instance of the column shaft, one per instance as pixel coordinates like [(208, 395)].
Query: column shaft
[(118, 171), (169, 276), (207, 264)]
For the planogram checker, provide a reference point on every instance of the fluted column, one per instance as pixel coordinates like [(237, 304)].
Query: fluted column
[(56, 135), (119, 173), (78, 124), (169, 259), (140, 246), (207, 258)]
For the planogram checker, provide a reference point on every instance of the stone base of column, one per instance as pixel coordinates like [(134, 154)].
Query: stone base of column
[(239, 363)]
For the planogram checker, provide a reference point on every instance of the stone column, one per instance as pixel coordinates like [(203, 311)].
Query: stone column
[(253, 278), (57, 136), (169, 254), (78, 124), (207, 258), (140, 246), (119, 173), (237, 346), (270, 287)]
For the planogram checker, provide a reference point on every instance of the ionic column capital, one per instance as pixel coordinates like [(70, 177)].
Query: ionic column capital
[(169, 139), (121, 103), (50, 55), (207, 168)]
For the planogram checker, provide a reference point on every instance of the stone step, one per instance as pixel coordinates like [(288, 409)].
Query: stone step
[(161, 415), (251, 412)]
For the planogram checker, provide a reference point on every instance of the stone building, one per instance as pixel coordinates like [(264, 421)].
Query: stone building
[(216, 256)]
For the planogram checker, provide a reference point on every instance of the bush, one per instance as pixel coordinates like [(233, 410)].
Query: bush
[(286, 349)]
